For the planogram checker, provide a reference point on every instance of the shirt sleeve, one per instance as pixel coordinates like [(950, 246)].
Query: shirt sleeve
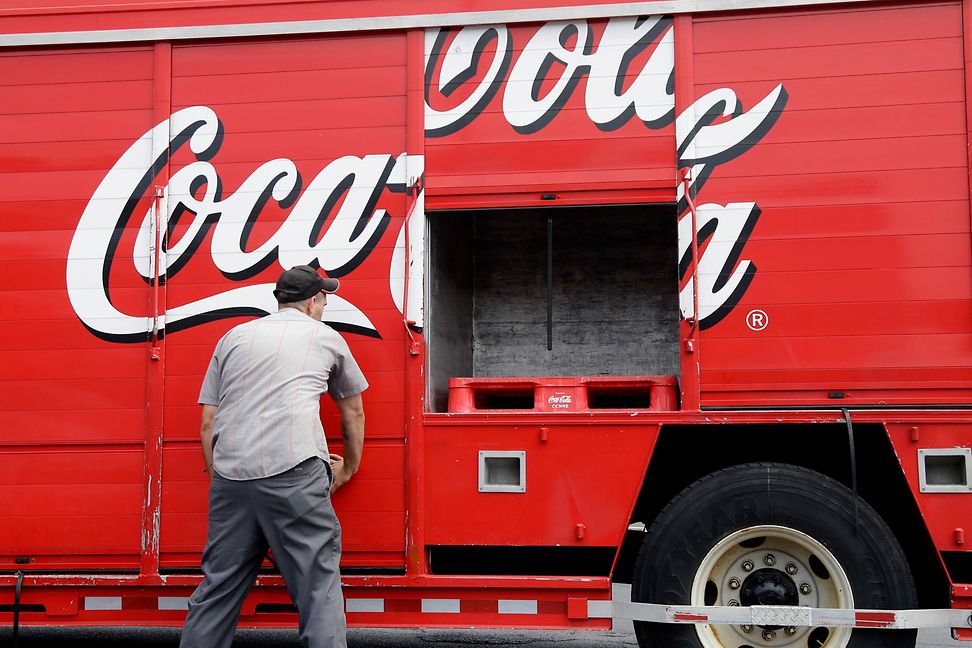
[(346, 377), (209, 392)]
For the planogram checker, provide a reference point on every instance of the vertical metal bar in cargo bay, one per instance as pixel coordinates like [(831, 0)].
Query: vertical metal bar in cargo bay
[(549, 283)]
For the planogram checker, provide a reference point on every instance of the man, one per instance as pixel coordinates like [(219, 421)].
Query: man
[(271, 473)]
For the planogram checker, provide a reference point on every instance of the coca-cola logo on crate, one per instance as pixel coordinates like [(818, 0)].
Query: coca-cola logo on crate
[(561, 400)]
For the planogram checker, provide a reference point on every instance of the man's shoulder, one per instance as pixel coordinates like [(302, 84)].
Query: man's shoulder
[(331, 335), (243, 327), (241, 331), (327, 330)]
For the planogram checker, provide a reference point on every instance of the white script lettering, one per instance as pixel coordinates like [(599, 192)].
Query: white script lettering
[(317, 231)]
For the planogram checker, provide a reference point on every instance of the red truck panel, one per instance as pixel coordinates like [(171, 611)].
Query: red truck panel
[(570, 473), (72, 507), (862, 242), (825, 150), (72, 407), (53, 15), (941, 512), (518, 129), (310, 101)]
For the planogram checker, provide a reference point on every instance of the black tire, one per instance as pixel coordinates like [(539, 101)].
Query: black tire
[(748, 495)]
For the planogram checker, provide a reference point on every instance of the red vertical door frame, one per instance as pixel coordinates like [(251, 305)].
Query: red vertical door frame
[(684, 97), (152, 478), (415, 557), (967, 52)]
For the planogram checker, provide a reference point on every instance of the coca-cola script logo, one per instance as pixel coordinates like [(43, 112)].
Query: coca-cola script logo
[(560, 401), (713, 130), (350, 235)]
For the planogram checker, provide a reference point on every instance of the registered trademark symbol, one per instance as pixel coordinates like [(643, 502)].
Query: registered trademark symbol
[(757, 320)]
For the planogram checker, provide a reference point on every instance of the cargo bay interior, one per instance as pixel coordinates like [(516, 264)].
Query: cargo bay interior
[(566, 291)]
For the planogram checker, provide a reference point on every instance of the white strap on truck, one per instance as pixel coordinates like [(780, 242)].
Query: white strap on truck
[(780, 615)]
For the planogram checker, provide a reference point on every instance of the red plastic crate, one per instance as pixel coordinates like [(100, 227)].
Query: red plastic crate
[(563, 393)]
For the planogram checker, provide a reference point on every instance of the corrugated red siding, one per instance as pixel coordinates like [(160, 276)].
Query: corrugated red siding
[(862, 251), (496, 156), (862, 245), (72, 408), (76, 404), (72, 15), (568, 482), (310, 101)]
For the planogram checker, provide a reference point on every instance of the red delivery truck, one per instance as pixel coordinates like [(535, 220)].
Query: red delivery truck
[(662, 293)]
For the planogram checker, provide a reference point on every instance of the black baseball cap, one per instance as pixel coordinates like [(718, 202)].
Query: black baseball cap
[(301, 282)]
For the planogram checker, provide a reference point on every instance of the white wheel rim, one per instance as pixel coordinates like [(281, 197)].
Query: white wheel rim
[(789, 560)]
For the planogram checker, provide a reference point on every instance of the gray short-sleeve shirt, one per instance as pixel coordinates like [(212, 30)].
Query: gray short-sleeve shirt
[(267, 377)]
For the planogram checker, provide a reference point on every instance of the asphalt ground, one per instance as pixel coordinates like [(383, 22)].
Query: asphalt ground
[(622, 637)]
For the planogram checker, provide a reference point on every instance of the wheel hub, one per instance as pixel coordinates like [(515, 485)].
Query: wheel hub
[(770, 565), (769, 587)]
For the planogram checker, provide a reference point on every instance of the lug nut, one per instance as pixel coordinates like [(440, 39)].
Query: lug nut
[(733, 583), (748, 565), (805, 588), (733, 603), (747, 628), (791, 569), (768, 635), (790, 631), (770, 560)]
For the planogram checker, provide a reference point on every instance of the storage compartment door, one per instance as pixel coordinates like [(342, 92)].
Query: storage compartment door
[(304, 165), (74, 360), (561, 113)]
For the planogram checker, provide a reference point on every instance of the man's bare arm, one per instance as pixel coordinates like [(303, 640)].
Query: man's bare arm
[(351, 410), (206, 435)]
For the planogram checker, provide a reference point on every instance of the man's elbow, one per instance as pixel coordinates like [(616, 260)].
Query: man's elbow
[(356, 418), (207, 418)]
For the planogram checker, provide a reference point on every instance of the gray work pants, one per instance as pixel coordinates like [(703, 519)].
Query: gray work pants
[(292, 514)]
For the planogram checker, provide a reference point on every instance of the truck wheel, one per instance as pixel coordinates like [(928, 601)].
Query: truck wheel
[(771, 534)]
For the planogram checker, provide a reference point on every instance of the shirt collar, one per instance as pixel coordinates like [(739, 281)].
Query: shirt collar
[(291, 314)]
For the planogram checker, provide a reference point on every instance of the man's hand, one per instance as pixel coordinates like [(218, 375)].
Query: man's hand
[(340, 471)]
